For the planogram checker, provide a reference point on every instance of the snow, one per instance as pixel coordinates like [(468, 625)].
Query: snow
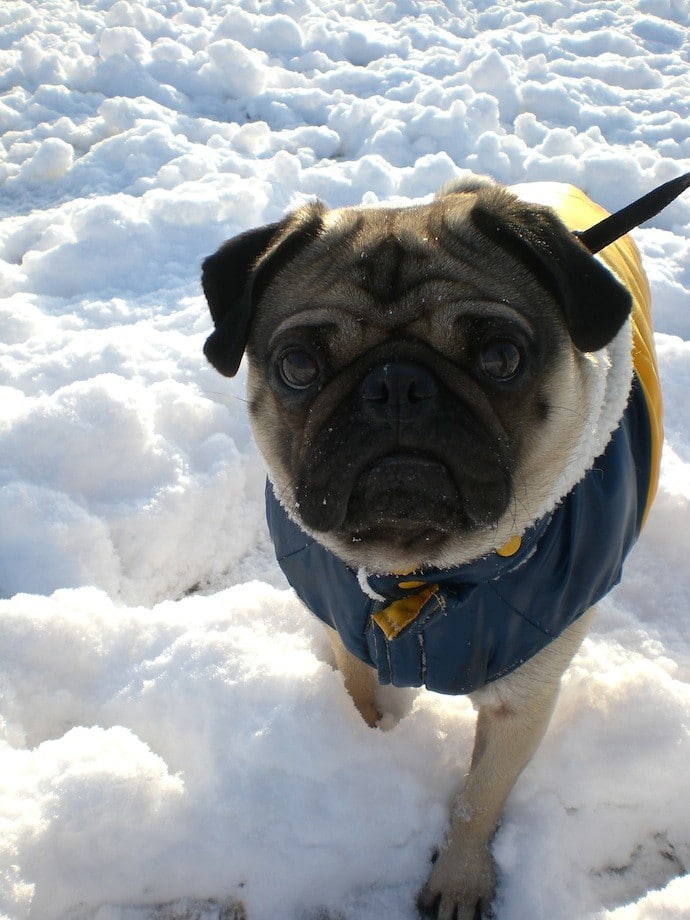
[(173, 737)]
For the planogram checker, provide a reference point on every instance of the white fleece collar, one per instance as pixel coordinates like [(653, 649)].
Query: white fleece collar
[(608, 375)]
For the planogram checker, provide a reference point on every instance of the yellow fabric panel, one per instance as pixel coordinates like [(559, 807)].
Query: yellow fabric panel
[(396, 616), (578, 212), (510, 547)]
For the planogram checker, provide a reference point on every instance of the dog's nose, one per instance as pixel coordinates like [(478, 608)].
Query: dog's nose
[(397, 392)]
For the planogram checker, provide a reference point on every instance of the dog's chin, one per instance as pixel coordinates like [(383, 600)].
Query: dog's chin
[(403, 511), (392, 548)]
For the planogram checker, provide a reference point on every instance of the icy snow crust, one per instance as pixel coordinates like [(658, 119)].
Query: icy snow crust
[(172, 730)]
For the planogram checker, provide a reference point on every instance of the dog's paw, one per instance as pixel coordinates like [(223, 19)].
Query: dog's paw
[(460, 887), (371, 714)]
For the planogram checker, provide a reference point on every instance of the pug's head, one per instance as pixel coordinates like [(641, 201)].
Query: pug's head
[(416, 375)]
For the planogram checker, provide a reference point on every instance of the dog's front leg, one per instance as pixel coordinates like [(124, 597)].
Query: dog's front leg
[(513, 716), (461, 885), (360, 679)]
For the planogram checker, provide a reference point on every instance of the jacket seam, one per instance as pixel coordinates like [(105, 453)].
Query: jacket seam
[(522, 615)]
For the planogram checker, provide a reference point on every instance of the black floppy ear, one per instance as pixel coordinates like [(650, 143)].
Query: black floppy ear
[(594, 302), (227, 282), (234, 276)]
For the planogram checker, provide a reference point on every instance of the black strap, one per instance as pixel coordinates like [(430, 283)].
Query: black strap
[(612, 228)]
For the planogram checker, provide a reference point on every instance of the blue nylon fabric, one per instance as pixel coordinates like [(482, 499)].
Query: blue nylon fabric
[(489, 616)]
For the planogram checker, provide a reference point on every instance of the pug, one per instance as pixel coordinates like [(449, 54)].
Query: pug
[(461, 451)]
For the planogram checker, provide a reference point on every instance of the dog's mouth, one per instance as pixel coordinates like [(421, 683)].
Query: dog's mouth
[(403, 498), (412, 505), (406, 500)]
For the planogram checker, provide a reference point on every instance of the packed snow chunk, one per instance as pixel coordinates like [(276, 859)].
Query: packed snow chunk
[(89, 789), (186, 168), (184, 506), (529, 129), (671, 903), (233, 70), (364, 43), (658, 32), (48, 541), (142, 490), (674, 367), (149, 22), (124, 40), (279, 35), (551, 103), (492, 74), (674, 10), (51, 161), (427, 176), (20, 319), (76, 440), (667, 261), (39, 65), (106, 245), (276, 34), (140, 145)]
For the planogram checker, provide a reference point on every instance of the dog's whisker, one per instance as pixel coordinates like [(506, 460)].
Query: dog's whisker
[(568, 409), (225, 397)]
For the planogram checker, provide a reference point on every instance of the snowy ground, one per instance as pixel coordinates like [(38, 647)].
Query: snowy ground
[(171, 728)]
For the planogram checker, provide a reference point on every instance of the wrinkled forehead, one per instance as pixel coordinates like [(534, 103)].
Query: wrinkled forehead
[(380, 257), (416, 228)]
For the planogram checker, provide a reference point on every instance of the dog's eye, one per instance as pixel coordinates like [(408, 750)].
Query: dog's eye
[(298, 368), (500, 359)]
